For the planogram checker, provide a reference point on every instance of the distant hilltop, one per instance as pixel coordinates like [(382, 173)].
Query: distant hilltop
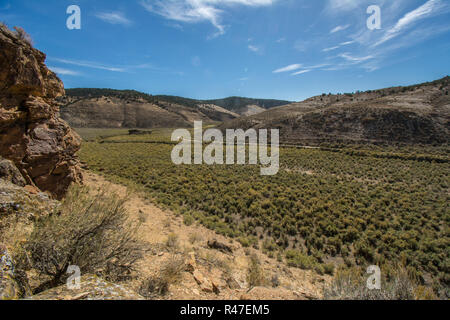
[(414, 114), (108, 108)]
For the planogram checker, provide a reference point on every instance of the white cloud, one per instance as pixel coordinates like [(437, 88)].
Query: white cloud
[(340, 28), (301, 72), (331, 48), (426, 10), (346, 5), (355, 60), (113, 18), (291, 67), (194, 11), (89, 64), (338, 46), (253, 48), (99, 66), (65, 72)]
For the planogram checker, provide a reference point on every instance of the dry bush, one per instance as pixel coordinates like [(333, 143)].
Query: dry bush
[(172, 242), (91, 231), (23, 35), (195, 237), (159, 284), (255, 276), (351, 284)]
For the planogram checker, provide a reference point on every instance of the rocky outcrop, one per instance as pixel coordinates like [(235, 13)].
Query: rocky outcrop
[(91, 287), (32, 134), (9, 172), (20, 206)]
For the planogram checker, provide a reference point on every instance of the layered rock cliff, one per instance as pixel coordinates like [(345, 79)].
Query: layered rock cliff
[(32, 134)]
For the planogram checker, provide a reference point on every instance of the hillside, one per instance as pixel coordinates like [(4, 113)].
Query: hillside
[(132, 109), (414, 114)]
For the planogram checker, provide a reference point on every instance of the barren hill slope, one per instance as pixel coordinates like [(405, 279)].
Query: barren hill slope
[(106, 108), (415, 114)]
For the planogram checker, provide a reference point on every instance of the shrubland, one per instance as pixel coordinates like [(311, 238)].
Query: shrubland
[(326, 208)]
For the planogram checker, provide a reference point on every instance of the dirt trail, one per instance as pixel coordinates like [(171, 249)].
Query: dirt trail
[(214, 274)]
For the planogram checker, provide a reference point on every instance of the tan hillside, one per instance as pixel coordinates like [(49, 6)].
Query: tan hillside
[(415, 114), (107, 108), (117, 112)]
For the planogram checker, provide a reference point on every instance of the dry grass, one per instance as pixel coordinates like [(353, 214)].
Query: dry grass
[(396, 284), (159, 284), (23, 35)]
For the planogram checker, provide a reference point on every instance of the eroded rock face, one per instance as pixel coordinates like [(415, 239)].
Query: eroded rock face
[(32, 134)]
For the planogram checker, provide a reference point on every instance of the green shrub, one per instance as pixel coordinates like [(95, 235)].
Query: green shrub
[(255, 276), (295, 258), (188, 220)]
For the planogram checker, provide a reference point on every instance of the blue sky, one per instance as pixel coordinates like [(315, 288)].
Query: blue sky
[(284, 49)]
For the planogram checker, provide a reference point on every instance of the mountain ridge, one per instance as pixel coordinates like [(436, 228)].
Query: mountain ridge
[(96, 107)]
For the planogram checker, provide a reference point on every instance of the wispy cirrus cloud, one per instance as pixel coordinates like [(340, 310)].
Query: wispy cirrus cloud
[(430, 8), (341, 5), (340, 28), (114, 18), (373, 50), (288, 68), (301, 72), (195, 11), (353, 59), (89, 64), (100, 66), (253, 48), (63, 71)]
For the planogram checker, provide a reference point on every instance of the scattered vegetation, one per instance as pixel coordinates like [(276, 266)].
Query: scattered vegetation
[(91, 231), (255, 275), (396, 284), (159, 284), (358, 204), (23, 35), (231, 103), (172, 242)]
